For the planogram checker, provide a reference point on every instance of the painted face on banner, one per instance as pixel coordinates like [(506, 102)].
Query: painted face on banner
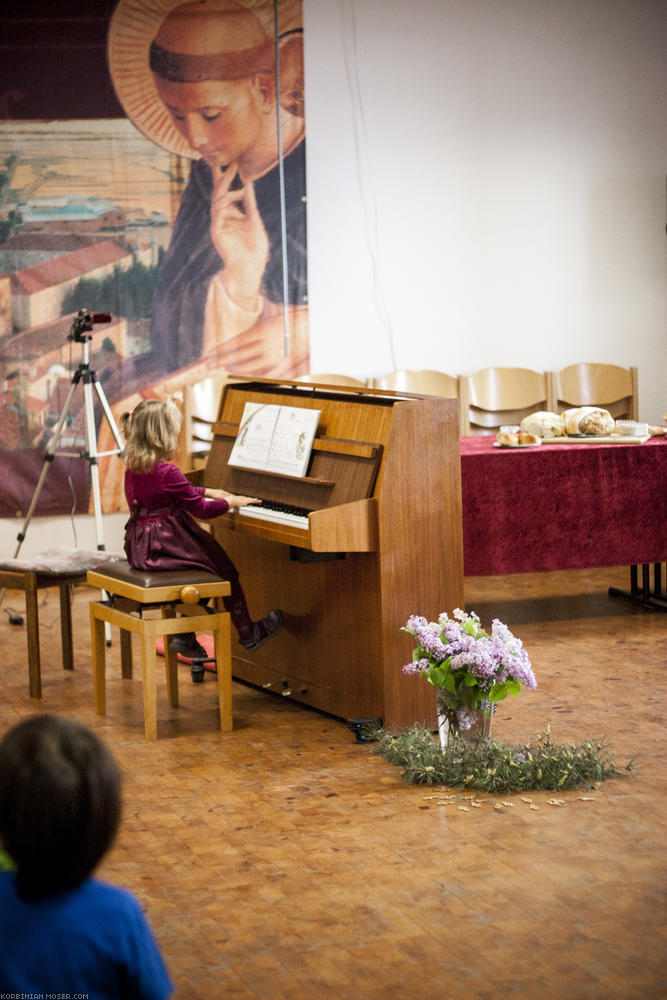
[(220, 119)]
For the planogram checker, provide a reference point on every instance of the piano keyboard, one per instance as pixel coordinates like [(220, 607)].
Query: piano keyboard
[(277, 513)]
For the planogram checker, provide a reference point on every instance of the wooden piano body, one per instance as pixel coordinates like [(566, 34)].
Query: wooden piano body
[(383, 541)]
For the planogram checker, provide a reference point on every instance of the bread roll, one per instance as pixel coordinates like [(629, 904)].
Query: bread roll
[(514, 436), (508, 435)]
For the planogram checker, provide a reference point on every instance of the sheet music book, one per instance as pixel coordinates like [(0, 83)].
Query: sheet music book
[(275, 438)]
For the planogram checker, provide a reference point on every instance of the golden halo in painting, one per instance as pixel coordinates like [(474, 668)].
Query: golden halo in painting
[(134, 25)]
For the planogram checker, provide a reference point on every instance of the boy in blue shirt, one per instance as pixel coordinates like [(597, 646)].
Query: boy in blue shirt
[(61, 930)]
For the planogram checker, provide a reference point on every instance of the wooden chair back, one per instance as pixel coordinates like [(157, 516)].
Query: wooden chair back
[(492, 397), (424, 382), (201, 401), (590, 384)]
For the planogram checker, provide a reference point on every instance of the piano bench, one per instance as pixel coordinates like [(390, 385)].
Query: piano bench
[(170, 593)]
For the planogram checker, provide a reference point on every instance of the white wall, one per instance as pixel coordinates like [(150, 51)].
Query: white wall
[(486, 185)]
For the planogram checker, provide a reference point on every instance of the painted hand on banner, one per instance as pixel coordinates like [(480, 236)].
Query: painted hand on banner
[(239, 236)]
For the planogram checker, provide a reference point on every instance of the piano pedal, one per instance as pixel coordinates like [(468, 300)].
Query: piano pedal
[(286, 690)]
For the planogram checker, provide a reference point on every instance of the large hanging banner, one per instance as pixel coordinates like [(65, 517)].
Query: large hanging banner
[(185, 220)]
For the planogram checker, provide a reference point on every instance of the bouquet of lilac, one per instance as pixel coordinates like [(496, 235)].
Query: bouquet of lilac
[(471, 669)]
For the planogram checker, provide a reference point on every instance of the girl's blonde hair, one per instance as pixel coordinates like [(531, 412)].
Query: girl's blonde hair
[(151, 433)]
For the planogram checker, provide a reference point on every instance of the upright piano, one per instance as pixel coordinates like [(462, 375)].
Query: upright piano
[(370, 535)]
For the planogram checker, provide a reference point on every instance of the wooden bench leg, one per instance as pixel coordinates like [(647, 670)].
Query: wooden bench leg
[(32, 632), (171, 661), (66, 626), (223, 659), (148, 667), (99, 654), (126, 654)]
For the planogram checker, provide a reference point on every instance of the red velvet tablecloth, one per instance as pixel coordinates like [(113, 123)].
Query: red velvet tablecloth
[(562, 506)]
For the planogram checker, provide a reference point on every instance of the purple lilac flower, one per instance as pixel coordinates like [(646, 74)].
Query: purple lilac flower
[(416, 667), (466, 718), (430, 641), (497, 657), (501, 631), (415, 623), (480, 659), (519, 668), (457, 639)]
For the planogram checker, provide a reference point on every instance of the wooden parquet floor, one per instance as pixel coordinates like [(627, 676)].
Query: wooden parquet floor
[(285, 861)]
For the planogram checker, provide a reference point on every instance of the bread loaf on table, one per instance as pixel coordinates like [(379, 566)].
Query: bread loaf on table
[(543, 423), (588, 420)]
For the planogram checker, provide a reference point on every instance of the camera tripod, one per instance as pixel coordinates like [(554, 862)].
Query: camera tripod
[(86, 377)]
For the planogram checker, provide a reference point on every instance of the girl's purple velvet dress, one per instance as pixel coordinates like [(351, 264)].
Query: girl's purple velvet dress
[(161, 533)]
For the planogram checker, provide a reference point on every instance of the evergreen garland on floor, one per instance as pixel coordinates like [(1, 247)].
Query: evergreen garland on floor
[(490, 766)]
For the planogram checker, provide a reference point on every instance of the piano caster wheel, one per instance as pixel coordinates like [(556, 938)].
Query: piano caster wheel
[(197, 672), (364, 729)]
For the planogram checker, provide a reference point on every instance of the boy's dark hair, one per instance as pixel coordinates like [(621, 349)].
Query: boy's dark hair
[(60, 803)]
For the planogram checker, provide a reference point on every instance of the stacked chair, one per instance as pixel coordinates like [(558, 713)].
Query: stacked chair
[(492, 397)]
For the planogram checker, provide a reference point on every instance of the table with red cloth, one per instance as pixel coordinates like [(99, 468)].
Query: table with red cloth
[(562, 506)]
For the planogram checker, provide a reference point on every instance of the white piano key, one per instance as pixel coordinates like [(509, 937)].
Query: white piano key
[(274, 516)]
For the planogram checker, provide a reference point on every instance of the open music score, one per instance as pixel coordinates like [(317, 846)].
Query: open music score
[(275, 438)]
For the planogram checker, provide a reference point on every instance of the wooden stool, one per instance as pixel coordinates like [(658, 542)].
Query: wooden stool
[(170, 592), (62, 568)]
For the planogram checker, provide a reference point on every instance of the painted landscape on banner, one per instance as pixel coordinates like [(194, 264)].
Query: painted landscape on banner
[(184, 221)]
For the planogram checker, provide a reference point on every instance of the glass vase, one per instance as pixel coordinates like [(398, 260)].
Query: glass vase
[(449, 724)]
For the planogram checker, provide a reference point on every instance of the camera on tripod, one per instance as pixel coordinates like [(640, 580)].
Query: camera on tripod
[(84, 322), (86, 379)]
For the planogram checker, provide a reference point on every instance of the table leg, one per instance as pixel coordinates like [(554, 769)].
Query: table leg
[(650, 598), (32, 632), (66, 626)]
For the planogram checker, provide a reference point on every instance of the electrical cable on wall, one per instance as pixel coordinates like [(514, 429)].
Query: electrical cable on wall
[(281, 175), (369, 207)]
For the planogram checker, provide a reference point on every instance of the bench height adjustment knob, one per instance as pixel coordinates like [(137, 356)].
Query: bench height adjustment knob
[(190, 595)]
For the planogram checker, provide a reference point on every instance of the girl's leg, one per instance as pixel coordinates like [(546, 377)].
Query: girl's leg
[(252, 634), (235, 604)]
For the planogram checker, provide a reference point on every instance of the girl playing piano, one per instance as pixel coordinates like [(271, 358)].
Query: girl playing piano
[(161, 533)]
